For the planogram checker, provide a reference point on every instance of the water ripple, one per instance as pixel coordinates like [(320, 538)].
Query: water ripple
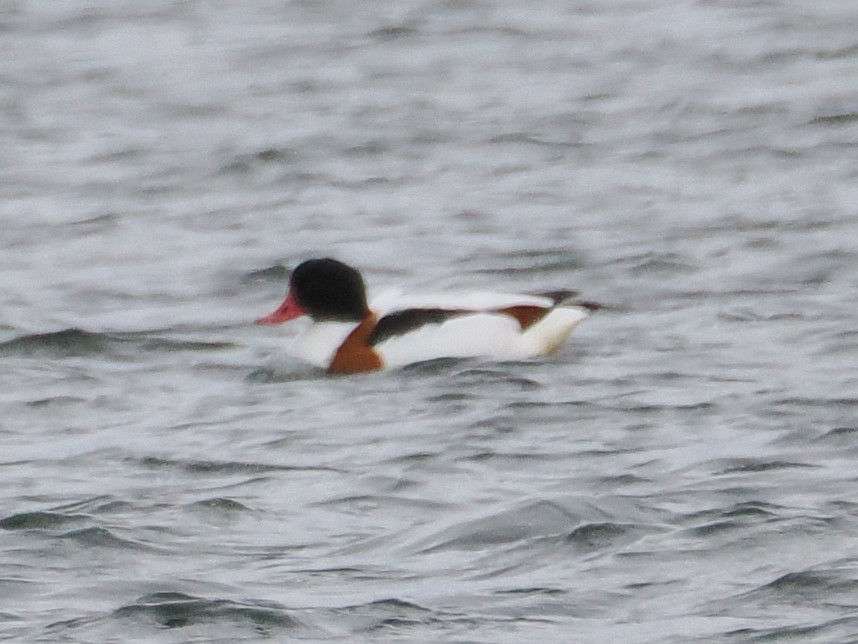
[(77, 342), (178, 610)]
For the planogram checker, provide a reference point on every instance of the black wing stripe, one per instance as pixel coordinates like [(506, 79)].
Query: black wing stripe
[(401, 322)]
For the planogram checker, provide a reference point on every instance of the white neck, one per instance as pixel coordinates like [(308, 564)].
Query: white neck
[(318, 344)]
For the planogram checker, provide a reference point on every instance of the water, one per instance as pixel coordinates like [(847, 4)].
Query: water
[(682, 470)]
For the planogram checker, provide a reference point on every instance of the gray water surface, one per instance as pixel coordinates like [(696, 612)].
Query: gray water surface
[(682, 470)]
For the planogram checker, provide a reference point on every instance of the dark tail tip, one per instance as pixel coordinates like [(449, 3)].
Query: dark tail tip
[(567, 298), (558, 296), (585, 304)]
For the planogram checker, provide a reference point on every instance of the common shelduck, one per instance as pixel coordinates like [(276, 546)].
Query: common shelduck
[(350, 336)]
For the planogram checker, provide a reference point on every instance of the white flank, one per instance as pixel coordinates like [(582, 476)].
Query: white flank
[(480, 334), (490, 335)]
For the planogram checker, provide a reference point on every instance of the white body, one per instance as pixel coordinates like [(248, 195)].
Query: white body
[(482, 333)]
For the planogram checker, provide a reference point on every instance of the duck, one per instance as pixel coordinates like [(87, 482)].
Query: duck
[(348, 335)]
